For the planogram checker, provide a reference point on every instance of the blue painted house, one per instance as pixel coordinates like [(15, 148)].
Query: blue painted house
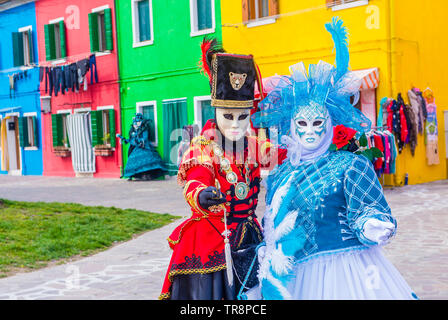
[(20, 106)]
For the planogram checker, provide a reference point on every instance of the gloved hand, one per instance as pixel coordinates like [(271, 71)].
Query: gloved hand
[(378, 231), (211, 196)]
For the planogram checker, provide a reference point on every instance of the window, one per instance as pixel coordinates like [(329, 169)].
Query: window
[(149, 111), (23, 49), (103, 127), (142, 22), (28, 131), (203, 110), (345, 4), (202, 15), (100, 30), (174, 119), (259, 9), (55, 41), (59, 129)]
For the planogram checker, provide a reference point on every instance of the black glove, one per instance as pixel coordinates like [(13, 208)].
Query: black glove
[(211, 196)]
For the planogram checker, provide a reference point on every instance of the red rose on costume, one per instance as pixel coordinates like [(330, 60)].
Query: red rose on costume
[(342, 135)]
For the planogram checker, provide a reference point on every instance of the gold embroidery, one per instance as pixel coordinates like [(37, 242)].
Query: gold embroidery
[(193, 271), (244, 104), (165, 296)]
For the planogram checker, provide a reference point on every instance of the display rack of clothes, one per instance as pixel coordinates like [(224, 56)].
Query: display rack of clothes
[(384, 140), (405, 121), (72, 75)]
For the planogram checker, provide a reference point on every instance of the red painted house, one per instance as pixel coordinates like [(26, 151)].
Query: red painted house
[(79, 87)]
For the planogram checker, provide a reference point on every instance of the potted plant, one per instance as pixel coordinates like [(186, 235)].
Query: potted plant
[(104, 150)]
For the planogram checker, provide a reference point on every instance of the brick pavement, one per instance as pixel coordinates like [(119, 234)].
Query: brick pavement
[(135, 269)]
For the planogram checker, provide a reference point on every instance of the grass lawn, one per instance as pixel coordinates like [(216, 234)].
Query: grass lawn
[(32, 234)]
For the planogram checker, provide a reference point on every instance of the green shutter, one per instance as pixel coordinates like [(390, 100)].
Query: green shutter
[(17, 45), (56, 128), (112, 128), (30, 45), (97, 127), (23, 132), (63, 39), (50, 47), (174, 117), (108, 29), (36, 132), (93, 30)]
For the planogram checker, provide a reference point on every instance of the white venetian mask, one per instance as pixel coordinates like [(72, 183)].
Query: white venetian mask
[(310, 124), (233, 123)]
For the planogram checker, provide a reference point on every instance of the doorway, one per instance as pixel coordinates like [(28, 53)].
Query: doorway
[(11, 157)]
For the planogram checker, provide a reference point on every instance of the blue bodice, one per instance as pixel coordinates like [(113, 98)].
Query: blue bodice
[(331, 196), (318, 207)]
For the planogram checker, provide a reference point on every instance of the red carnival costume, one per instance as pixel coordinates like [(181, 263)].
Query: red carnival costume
[(199, 242)]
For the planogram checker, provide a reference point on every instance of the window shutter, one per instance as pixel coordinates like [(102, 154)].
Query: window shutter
[(93, 30), (108, 29), (63, 39), (112, 128), (17, 44), (331, 3), (273, 7), (56, 128), (23, 132), (50, 48), (97, 127), (245, 6), (30, 45), (36, 131)]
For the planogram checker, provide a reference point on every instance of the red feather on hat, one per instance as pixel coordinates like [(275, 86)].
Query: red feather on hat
[(209, 46)]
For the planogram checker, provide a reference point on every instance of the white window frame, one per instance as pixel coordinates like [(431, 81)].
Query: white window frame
[(135, 27), (60, 60), (65, 111), (102, 108), (194, 20), (139, 109), (349, 5), (25, 29), (27, 115), (260, 21), (198, 109), (96, 10)]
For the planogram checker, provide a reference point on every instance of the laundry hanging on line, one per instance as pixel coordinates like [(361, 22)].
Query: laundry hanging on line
[(71, 76)]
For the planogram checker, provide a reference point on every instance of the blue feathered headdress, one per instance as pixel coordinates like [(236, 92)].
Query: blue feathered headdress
[(322, 84)]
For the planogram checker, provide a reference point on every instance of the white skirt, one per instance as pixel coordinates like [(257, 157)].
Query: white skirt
[(357, 274)]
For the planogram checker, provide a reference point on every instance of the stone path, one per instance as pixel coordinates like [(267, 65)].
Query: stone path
[(135, 269)]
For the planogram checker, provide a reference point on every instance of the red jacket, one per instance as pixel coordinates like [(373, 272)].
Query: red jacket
[(197, 243)]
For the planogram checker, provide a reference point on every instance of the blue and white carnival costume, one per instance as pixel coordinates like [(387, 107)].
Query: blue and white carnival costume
[(326, 215)]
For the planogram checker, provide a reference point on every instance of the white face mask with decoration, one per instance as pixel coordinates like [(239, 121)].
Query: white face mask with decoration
[(310, 125), (233, 122)]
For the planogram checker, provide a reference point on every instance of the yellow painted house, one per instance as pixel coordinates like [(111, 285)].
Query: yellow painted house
[(402, 43)]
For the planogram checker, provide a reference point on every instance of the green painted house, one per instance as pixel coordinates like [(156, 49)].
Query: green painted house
[(159, 51)]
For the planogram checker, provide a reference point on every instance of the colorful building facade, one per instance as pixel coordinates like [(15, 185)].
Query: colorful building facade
[(79, 87), (394, 46), (159, 51), (20, 112)]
